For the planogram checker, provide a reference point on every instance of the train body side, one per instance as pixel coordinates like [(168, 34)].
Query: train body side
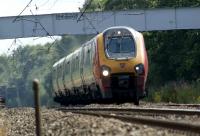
[(75, 72)]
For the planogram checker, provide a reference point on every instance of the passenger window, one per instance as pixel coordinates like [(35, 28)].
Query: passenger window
[(88, 57), (66, 68), (72, 65), (74, 62), (77, 63)]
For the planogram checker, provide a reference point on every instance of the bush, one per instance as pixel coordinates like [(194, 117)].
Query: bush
[(176, 92)]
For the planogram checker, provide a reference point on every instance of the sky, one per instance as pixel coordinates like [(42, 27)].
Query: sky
[(15, 7)]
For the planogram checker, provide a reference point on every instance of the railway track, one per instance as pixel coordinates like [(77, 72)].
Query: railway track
[(131, 115), (184, 105), (2, 105), (2, 102)]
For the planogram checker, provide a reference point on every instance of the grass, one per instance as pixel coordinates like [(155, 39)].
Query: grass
[(176, 92)]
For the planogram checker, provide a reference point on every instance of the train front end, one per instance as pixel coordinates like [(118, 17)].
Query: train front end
[(123, 64)]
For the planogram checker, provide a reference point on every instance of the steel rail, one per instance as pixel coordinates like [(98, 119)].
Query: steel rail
[(187, 105), (121, 114), (139, 110), (182, 126), (2, 105)]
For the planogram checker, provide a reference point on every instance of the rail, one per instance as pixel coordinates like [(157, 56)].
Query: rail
[(138, 110), (125, 114)]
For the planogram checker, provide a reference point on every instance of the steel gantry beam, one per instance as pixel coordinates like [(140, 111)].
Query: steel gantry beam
[(91, 23)]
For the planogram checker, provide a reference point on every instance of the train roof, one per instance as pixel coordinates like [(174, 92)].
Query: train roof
[(62, 60), (132, 30), (58, 62), (119, 27), (77, 50)]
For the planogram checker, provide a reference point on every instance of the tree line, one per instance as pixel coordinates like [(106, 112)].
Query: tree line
[(26, 63), (173, 55)]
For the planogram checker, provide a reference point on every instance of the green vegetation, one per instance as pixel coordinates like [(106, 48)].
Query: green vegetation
[(176, 92), (98, 5), (174, 60), (173, 56), (29, 62)]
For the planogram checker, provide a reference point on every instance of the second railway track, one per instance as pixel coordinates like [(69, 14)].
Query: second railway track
[(138, 115)]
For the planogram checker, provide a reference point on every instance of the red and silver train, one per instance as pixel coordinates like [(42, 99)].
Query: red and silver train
[(112, 66)]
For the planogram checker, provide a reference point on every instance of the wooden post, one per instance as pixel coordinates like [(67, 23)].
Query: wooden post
[(37, 106)]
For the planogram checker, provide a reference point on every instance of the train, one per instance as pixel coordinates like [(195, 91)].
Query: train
[(111, 67), (2, 96)]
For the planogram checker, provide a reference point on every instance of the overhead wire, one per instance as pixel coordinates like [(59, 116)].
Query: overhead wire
[(22, 11), (84, 16), (47, 33), (43, 4), (53, 4), (13, 43), (83, 12), (90, 22), (36, 21)]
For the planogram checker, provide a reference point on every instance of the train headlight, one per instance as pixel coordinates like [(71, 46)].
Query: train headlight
[(105, 70), (118, 32), (139, 69)]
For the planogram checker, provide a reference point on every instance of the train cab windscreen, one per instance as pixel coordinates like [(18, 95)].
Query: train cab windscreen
[(119, 44)]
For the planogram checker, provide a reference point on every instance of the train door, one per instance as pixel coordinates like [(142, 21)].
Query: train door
[(72, 67), (54, 80), (87, 63), (81, 66), (77, 67), (58, 78), (92, 58), (64, 72), (67, 74), (90, 63), (63, 75)]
